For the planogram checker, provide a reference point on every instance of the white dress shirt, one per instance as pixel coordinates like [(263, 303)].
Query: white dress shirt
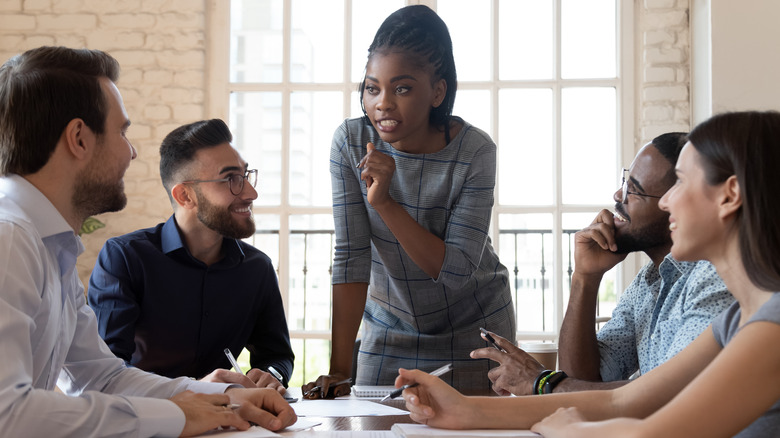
[(49, 337)]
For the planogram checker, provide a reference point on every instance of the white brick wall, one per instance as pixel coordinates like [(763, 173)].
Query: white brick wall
[(161, 45), (662, 68)]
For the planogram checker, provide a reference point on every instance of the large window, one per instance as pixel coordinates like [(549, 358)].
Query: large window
[(549, 80)]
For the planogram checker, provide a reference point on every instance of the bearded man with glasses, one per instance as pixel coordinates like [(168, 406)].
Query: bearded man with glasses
[(170, 299), (666, 307)]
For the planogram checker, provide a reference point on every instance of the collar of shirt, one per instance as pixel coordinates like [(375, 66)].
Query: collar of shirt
[(171, 242)]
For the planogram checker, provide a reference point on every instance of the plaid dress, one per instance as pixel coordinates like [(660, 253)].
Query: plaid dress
[(410, 319)]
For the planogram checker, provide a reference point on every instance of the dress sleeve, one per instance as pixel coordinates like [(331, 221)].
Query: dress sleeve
[(469, 223), (114, 300), (352, 256)]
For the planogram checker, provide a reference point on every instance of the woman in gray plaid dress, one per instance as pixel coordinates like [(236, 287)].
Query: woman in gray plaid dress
[(412, 198)]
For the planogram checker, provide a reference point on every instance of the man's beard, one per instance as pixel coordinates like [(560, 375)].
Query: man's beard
[(220, 220), (92, 196), (649, 236)]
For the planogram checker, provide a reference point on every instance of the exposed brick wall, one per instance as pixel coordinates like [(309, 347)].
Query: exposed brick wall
[(662, 67), (161, 45)]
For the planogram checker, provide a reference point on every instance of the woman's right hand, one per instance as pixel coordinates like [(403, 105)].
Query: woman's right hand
[(324, 387), (434, 402)]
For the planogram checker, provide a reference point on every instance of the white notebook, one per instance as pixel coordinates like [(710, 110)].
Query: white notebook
[(372, 391)]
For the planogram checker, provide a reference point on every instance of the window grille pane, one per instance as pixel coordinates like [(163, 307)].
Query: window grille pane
[(354, 105), (367, 16), (312, 358), (311, 250), (314, 117), (588, 39), (525, 242), (474, 106), (256, 41), (317, 44), (470, 28), (525, 146), (607, 296), (588, 144), (266, 237), (256, 123), (525, 39)]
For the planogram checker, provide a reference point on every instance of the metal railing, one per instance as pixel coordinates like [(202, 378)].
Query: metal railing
[(527, 254)]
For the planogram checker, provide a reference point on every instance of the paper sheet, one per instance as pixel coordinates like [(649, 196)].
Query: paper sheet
[(421, 430), (252, 432), (343, 434), (341, 408)]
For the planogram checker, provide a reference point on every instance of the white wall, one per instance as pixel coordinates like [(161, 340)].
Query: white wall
[(739, 40)]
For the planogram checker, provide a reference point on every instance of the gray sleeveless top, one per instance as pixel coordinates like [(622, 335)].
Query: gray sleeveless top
[(724, 327)]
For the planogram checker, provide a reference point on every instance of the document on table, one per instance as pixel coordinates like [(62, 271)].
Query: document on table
[(341, 408), (252, 432), (342, 434), (260, 432), (410, 430)]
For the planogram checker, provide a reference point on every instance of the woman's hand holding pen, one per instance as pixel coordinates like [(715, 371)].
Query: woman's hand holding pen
[(378, 170), (434, 402)]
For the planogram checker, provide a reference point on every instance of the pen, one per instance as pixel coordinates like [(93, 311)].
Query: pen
[(437, 372), (233, 361), (275, 373), (487, 336)]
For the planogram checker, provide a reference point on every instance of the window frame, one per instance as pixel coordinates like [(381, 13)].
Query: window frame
[(219, 88)]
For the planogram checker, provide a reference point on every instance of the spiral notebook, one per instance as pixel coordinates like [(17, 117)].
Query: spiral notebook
[(369, 391)]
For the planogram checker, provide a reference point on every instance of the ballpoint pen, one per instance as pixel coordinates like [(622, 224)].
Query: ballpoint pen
[(276, 374), (233, 361), (437, 372), (486, 335)]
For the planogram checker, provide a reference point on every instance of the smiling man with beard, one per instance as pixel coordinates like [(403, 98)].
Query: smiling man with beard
[(171, 298), (666, 307)]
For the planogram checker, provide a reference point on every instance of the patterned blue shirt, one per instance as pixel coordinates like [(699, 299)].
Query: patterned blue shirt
[(658, 315), (412, 320)]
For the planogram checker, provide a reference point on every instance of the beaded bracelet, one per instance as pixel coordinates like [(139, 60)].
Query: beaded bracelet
[(537, 388)]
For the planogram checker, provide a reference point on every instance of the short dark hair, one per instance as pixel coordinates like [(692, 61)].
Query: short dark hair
[(178, 148), (670, 145), (421, 34), (41, 91), (747, 144)]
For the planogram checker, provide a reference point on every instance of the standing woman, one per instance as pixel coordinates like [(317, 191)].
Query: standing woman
[(723, 208), (412, 198)]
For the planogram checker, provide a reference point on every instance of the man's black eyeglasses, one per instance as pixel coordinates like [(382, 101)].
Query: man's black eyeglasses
[(235, 181), (626, 192)]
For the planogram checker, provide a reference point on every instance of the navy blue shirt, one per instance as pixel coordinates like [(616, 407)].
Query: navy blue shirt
[(164, 311)]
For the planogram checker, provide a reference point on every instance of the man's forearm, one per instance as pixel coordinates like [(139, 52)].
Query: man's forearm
[(578, 351)]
